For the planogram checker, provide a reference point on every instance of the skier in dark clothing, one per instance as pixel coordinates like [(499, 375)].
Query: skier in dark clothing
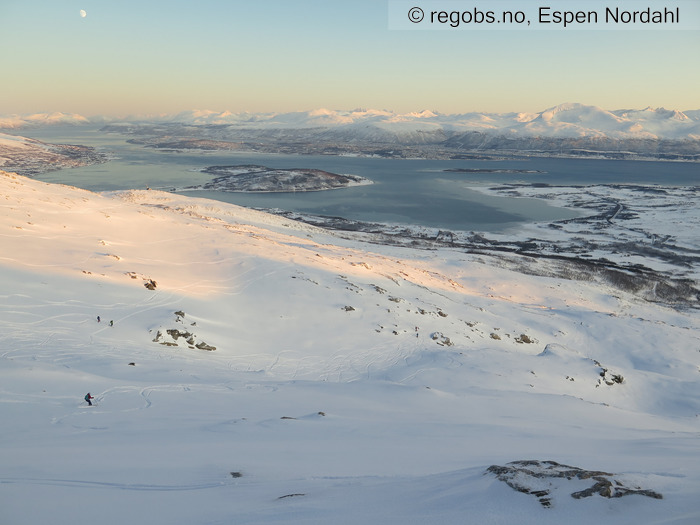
[(88, 397), (98, 318)]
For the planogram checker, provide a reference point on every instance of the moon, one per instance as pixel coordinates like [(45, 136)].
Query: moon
[(83, 13)]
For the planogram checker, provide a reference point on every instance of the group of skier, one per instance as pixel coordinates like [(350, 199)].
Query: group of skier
[(89, 397)]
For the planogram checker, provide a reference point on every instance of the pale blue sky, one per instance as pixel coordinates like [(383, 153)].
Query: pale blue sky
[(153, 56)]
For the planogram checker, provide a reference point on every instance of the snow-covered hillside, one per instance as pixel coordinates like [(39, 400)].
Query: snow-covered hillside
[(28, 156), (261, 371)]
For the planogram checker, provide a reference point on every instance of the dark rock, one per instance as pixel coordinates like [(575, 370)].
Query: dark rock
[(291, 496), (526, 477), (176, 334), (441, 339)]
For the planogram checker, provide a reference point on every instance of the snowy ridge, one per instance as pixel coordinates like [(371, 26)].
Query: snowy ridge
[(16, 142), (340, 383)]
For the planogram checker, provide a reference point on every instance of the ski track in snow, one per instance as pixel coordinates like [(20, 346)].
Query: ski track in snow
[(108, 485)]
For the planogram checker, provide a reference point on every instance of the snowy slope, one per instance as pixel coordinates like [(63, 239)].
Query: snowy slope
[(350, 383), (12, 142)]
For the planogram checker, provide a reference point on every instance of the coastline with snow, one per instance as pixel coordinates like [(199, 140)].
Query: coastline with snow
[(29, 157)]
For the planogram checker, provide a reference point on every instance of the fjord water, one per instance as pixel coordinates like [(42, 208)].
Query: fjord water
[(405, 191)]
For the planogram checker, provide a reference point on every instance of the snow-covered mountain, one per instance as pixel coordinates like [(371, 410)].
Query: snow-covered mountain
[(563, 121), (44, 119), (251, 369)]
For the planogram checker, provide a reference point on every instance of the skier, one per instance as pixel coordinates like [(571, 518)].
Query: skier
[(88, 397), (111, 323), (98, 318)]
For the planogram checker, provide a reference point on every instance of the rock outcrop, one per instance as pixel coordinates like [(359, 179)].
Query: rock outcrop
[(540, 478)]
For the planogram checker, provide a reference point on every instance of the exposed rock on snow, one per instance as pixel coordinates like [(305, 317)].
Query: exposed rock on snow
[(148, 283), (441, 339), (524, 338), (543, 479), (173, 336), (565, 362)]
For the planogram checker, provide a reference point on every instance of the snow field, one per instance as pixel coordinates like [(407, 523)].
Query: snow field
[(309, 411)]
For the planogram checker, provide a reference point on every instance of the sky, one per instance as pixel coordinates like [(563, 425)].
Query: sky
[(129, 57)]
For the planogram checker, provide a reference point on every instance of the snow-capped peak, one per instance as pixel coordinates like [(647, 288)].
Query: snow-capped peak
[(41, 119)]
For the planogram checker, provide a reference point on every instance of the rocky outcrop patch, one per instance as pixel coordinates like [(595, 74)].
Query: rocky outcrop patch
[(542, 478), (441, 339), (576, 366), (147, 281), (181, 336)]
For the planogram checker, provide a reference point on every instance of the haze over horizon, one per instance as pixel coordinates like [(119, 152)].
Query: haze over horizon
[(118, 59)]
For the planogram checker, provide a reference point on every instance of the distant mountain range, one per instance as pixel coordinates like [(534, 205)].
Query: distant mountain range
[(569, 129), (570, 120)]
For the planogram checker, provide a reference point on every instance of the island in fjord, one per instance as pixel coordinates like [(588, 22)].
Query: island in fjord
[(253, 178)]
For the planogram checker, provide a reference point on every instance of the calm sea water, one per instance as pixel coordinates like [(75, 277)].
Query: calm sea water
[(417, 192)]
